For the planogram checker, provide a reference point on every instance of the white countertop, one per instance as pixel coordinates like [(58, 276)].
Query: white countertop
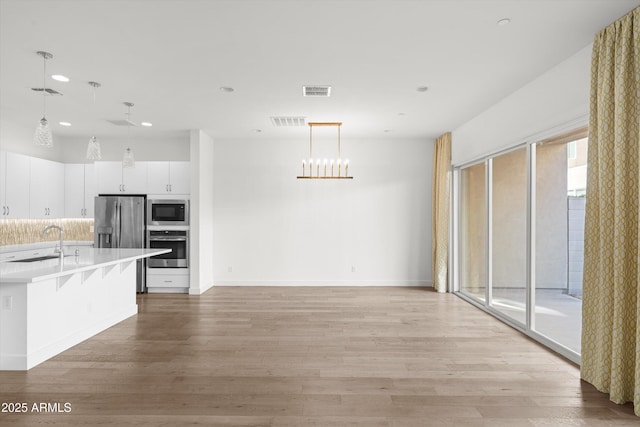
[(87, 259)]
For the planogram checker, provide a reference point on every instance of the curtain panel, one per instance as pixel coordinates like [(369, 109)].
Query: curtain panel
[(611, 301), (440, 206)]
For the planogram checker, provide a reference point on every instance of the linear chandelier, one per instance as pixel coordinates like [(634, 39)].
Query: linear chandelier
[(327, 168)]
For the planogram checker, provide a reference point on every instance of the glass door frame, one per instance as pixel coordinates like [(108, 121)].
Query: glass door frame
[(527, 328)]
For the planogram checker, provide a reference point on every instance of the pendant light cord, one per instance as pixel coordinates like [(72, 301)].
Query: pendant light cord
[(44, 86)]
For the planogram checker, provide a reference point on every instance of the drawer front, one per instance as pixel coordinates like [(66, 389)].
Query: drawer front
[(167, 281)]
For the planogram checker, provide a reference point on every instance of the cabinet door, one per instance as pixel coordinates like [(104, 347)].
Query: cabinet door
[(79, 190), (109, 177), (158, 177), (135, 179), (46, 195), (73, 190), (179, 180), (16, 188), (3, 182), (89, 189)]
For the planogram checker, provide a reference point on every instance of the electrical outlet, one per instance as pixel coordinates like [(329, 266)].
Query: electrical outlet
[(229, 269), (7, 302), (353, 268)]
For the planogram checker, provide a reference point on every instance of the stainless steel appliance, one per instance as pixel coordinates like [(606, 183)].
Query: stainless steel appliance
[(167, 212), (119, 223), (175, 239)]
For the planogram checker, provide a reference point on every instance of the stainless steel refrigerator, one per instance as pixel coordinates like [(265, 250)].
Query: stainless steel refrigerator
[(120, 223)]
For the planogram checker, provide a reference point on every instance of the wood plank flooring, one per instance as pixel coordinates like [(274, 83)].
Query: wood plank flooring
[(309, 356)]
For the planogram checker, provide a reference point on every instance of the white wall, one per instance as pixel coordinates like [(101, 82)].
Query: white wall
[(272, 229), (151, 149), (557, 100), (201, 225), (19, 139)]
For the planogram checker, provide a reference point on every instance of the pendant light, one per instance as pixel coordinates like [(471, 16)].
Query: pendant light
[(327, 169), (93, 148), (128, 160), (43, 134)]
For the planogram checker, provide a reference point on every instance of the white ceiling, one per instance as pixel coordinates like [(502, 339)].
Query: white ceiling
[(171, 57)]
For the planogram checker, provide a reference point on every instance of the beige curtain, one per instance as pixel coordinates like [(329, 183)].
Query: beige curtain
[(440, 206), (611, 301)]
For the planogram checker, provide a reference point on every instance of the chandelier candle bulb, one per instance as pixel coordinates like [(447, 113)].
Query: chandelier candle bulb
[(331, 167), (310, 167), (304, 163), (317, 167), (339, 166), (325, 167), (346, 167)]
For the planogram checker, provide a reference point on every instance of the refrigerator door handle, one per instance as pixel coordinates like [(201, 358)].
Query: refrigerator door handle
[(118, 223)]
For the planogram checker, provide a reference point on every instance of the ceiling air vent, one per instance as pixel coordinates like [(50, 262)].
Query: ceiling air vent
[(316, 90), (288, 121), (48, 91), (122, 122)]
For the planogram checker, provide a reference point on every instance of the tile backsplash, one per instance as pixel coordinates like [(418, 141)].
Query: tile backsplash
[(25, 231)]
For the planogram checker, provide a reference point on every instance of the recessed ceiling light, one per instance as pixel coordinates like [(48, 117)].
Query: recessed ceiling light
[(226, 89), (402, 114), (503, 22), (147, 124), (422, 88), (60, 78), (388, 130), (65, 124), (257, 130)]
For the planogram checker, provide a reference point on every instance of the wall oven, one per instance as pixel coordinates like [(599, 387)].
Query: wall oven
[(167, 212), (176, 240)]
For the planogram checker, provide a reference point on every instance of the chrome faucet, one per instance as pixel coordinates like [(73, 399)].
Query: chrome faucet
[(44, 233)]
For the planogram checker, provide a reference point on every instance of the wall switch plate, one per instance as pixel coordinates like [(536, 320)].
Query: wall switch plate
[(353, 268), (229, 269), (7, 302)]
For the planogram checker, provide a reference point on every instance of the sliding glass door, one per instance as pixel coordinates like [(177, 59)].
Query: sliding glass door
[(560, 192), (509, 234), (473, 236), (520, 220)]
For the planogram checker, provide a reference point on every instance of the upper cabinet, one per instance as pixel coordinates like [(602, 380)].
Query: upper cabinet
[(14, 185), (31, 187), (112, 178), (46, 192), (168, 178), (79, 190)]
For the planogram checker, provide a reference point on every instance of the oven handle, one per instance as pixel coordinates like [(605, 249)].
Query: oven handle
[(167, 239)]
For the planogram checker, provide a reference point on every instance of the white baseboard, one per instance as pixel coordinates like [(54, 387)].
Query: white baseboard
[(363, 283)]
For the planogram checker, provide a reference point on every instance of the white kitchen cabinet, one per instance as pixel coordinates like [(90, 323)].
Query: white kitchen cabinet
[(14, 185), (79, 190), (168, 178), (46, 189), (167, 280), (112, 178)]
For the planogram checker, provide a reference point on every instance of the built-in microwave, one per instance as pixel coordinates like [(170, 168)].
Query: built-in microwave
[(167, 212)]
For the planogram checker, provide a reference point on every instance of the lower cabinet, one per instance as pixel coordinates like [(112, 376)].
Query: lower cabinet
[(167, 280)]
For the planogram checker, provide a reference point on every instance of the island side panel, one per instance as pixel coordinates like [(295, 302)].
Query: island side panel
[(67, 310), (13, 326)]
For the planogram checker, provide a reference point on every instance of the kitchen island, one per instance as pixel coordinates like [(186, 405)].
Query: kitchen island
[(50, 305)]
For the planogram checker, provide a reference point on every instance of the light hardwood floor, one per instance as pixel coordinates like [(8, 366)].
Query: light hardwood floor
[(310, 356)]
